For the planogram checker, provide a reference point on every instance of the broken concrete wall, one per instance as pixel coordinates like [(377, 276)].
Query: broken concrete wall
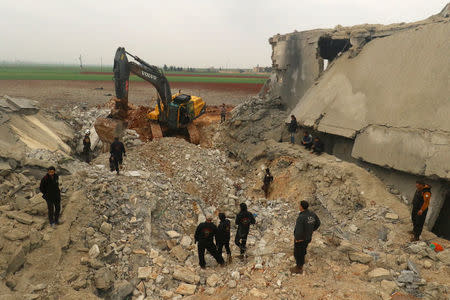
[(383, 100), (295, 65)]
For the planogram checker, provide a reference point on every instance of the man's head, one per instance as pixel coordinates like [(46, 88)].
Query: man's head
[(243, 206), (267, 171), (116, 138), (51, 170), (420, 184), (304, 205), (316, 139), (209, 218), (306, 133), (292, 117), (222, 216)]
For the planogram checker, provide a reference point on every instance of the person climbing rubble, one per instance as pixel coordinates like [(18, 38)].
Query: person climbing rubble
[(223, 236), (318, 146), (420, 204), (87, 146), (307, 222), (268, 178), (49, 188), (204, 235), (243, 220), (117, 150), (223, 113), (292, 128), (307, 140)]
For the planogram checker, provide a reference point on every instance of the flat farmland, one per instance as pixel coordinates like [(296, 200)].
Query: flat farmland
[(60, 85)]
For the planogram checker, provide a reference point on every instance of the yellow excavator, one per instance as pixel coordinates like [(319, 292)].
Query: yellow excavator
[(172, 112)]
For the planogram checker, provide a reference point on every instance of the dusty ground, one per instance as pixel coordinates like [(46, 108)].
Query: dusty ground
[(60, 93)]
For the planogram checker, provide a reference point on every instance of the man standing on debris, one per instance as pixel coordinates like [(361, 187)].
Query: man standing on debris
[(50, 192), (223, 113), (204, 235), (420, 204), (307, 222), (223, 236), (117, 149), (307, 140), (243, 220), (317, 146), (87, 146), (292, 128), (268, 178)]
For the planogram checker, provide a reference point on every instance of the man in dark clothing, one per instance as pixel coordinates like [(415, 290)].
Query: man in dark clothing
[(204, 235), (307, 140), (243, 220), (117, 149), (317, 146), (49, 188), (87, 147), (292, 128), (223, 236), (307, 222), (420, 204), (223, 113), (268, 178)]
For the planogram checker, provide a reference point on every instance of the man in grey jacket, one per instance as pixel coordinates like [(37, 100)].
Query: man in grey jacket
[(307, 223)]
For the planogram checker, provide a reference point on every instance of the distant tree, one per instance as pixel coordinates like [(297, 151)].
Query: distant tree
[(165, 67)]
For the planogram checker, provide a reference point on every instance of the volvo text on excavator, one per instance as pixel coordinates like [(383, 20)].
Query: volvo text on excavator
[(171, 112)]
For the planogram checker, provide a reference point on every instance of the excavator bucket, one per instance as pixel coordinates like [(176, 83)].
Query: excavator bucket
[(121, 73)]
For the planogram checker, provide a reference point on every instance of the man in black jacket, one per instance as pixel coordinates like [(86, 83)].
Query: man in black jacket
[(307, 222), (318, 146), (420, 204), (243, 220), (117, 149), (268, 178), (49, 188), (223, 236), (307, 140), (87, 147), (204, 235), (292, 128)]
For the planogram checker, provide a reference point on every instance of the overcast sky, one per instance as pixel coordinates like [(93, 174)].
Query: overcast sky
[(198, 33)]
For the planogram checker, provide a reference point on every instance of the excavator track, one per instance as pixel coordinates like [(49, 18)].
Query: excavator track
[(194, 135), (156, 130)]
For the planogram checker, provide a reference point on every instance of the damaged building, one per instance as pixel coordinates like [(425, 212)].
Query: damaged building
[(378, 95)]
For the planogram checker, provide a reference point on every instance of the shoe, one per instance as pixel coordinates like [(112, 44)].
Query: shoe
[(52, 225), (296, 270), (414, 239), (203, 267)]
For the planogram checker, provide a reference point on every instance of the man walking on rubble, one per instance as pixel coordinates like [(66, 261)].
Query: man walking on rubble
[(420, 204), (87, 147), (306, 223), (243, 220), (117, 149), (223, 236), (223, 113), (292, 128), (49, 188), (268, 178), (204, 235)]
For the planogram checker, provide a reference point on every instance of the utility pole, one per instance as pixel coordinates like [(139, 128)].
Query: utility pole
[(81, 63)]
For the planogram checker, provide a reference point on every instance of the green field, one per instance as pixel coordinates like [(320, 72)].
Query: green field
[(73, 73)]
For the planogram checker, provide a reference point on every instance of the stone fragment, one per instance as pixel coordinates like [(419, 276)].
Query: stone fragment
[(379, 274), (212, 280), (121, 290), (391, 216), (186, 241), (179, 253), (15, 235), (17, 260), (232, 284), (360, 257), (388, 286), (20, 217), (173, 234), (444, 256), (427, 264), (235, 275), (186, 289), (256, 293), (413, 267), (144, 272), (346, 246), (407, 276), (106, 228), (94, 251), (186, 275), (353, 228), (103, 279)]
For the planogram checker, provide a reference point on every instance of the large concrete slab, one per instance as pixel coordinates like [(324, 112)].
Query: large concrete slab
[(22, 105)]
